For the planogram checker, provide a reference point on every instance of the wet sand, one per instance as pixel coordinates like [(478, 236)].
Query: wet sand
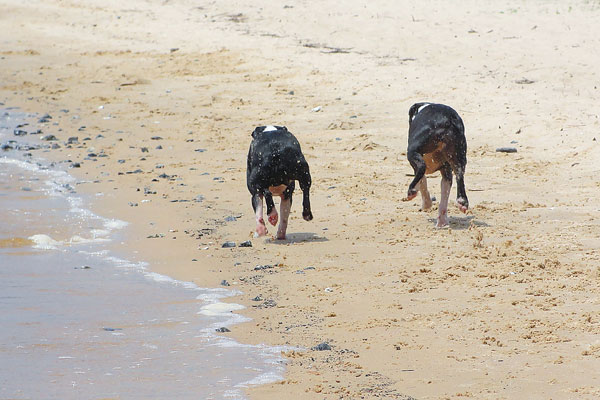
[(504, 304)]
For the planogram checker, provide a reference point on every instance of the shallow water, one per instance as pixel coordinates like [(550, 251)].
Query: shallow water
[(81, 322)]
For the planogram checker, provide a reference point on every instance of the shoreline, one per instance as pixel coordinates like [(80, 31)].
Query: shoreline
[(410, 310)]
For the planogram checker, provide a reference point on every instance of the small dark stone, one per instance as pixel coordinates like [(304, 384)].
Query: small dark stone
[(159, 147), (147, 190), (76, 165), (321, 347), (228, 245), (36, 132), (506, 149), (155, 138), (144, 150), (92, 155), (257, 298), (19, 132), (55, 146), (48, 137), (131, 204), (262, 267), (200, 150), (225, 283), (6, 146), (73, 140), (112, 329), (222, 329), (247, 243), (99, 136)]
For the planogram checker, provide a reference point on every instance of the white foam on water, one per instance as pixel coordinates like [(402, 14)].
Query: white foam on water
[(114, 224), (220, 309), (44, 242), (76, 239), (262, 379)]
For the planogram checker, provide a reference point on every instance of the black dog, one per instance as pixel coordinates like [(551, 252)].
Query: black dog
[(436, 142), (275, 162)]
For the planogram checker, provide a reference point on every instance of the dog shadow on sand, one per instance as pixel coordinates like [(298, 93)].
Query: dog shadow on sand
[(299, 237), (461, 223)]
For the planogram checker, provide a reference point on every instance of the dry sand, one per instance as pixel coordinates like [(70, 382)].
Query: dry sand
[(503, 305)]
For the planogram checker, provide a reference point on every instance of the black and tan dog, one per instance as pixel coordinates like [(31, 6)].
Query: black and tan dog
[(436, 142), (275, 162)]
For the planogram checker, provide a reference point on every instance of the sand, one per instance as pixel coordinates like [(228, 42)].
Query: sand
[(503, 305)]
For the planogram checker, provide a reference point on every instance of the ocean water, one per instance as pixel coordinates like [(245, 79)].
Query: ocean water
[(80, 322)]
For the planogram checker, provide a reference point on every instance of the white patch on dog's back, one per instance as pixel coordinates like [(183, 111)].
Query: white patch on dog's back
[(422, 107), (269, 128)]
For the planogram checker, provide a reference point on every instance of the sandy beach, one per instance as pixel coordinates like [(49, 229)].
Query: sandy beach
[(163, 96)]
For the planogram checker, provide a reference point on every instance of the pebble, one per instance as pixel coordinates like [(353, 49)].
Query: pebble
[(257, 298), (19, 132), (227, 245), (48, 137), (262, 267), (112, 329), (225, 283), (44, 119), (200, 150), (73, 140), (144, 150), (321, 347), (247, 243), (84, 267), (76, 165), (222, 329), (230, 218), (506, 149), (267, 304)]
